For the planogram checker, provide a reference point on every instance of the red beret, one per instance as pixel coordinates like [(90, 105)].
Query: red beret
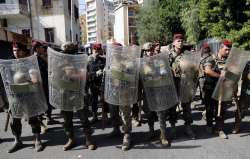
[(206, 46), (36, 44), (97, 46), (227, 43), (178, 36)]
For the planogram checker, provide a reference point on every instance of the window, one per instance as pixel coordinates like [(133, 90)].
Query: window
[(2, 1), (47, 3), (76, 13), (26, 32), (69, 6), (49, 34)]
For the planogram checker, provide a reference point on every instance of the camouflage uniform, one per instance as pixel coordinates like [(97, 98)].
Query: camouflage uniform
[(174, 60), (70, 48), (210, 82), (245, 89)]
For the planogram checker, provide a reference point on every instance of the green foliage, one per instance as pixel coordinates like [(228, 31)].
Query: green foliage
[(199, 19)]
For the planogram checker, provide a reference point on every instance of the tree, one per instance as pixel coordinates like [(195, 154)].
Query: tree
[(226, 19), (190, 21)]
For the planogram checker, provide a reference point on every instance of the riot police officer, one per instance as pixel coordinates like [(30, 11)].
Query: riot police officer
[(21, 51), (67, 92), (213, 70), (96, 64)]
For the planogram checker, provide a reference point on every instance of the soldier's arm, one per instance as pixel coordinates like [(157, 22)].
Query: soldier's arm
[(208, 71)]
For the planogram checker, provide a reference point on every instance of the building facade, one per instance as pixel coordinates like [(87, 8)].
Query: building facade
[(46, 20), (100, 19), (125, 21)]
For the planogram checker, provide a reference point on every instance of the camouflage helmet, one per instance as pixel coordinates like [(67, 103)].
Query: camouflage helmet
[(69, 48)]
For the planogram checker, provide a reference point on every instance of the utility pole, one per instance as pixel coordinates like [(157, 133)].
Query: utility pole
[(30, 17), (71, 22)]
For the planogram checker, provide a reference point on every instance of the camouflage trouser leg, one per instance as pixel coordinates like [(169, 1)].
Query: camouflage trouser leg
[(126, 119), (83, 116), (162, 119), (187, 114), (114, 115)]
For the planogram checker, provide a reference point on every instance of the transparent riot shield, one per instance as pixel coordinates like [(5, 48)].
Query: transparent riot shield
[(189, 64), (67, 78), (121, 78), (23, 85), (227, 84), (158, 83), (214, 44)]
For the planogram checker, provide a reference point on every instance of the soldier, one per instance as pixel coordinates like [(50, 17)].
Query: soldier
[(22, 96), (96, 64), (40, 50), (213, 70), (121, 85), (244, 96), (176, 53), (157, 80), (205, 53), (67, 75)]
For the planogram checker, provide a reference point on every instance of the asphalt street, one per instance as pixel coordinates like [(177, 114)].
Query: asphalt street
[(206, 146)]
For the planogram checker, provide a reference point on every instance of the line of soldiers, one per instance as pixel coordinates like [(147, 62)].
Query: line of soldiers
[(159, 80)]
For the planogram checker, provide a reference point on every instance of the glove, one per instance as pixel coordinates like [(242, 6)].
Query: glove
[(99, 73)]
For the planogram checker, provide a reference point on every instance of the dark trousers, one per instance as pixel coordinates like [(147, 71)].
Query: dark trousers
[(212, 110), (94, 100), (68, 121), (187, 115), (16, 126)]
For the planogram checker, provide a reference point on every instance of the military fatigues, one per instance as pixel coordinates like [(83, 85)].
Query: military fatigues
[(174, 60), (94, 81), (210, 82), (68, 115), (245, 89)]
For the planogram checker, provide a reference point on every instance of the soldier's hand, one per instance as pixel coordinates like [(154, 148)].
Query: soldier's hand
[(99, 73)]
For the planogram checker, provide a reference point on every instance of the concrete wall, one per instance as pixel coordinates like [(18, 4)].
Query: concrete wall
[(121, 25)]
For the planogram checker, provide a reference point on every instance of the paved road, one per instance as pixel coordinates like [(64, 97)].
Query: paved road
[(205, 147)]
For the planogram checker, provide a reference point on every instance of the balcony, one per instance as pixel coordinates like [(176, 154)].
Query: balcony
[(13, 10)]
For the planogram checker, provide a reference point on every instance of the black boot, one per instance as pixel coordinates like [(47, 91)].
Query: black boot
[(17, 145)]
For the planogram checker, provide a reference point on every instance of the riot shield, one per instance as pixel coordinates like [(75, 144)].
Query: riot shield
[(121, 78), (214, 44), (227, 84), (67, 78), (189, 65), (23, 85), (158, 83)]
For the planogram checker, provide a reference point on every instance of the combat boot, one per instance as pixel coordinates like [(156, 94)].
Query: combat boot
[(70, 144), (17, 145), (88, 142), (126, 142), (163, 138), (38, 143), (222, 134)]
